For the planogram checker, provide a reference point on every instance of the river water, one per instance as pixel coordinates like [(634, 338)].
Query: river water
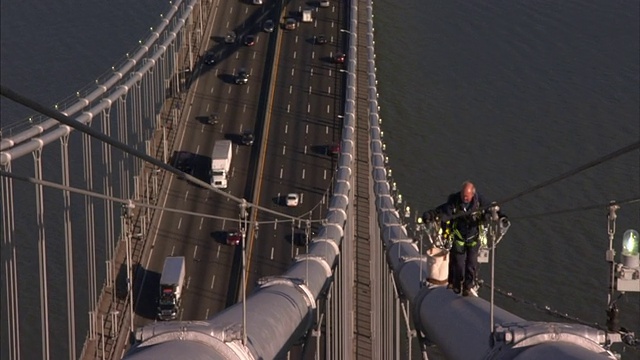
[(508, 94)]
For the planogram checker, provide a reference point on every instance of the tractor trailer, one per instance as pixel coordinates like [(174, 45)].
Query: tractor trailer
[(171, 287), (221, 163)]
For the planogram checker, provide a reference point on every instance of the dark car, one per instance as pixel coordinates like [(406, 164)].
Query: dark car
[(233, 237), (250, 40), (321, 40), (301, 238), (242, 78), (209, 58), (340, 58), (230, 38), (247, 137), (183, 161)]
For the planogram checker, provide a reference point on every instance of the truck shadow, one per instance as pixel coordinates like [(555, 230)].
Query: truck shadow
[(146, 293)]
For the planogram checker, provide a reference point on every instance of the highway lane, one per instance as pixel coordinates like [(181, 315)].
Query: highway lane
[(200, 240), (306, 104), (304, 120)]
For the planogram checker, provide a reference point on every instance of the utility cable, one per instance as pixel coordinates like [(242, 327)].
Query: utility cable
[(33, 105), (585, 208), (123, 201), (621, 151)]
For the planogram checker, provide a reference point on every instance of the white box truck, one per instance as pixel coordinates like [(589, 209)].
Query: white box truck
[(307, 15), (221, 163), (171, 287)]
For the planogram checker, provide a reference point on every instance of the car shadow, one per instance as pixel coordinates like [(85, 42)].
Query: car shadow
[(219, 236), (320, 149), (235, 138), (227, 78)]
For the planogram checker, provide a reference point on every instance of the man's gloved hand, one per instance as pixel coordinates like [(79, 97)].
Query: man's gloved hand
[(429, 216)]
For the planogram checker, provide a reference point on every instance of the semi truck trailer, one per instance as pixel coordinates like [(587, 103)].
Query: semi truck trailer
[(221, 163), (171, 287)]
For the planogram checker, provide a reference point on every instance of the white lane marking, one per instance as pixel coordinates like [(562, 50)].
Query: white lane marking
[(293, 71), (303, 172), (288, 107), (295, 54), (218, 252), (325, 174), (286, 128), (201, 222), (186, 286), (284, 149), (306, 129), (195, 251), (197, 149), (272, 250), (328, 109), (301, 198), (308, 108), (290, 89), (213, 280), (329, 90), (309, 89), (326, 130), (185, 195), (173, 249), (206, 314), (281, 171), (275, 224), (305, 149), (179, 223)]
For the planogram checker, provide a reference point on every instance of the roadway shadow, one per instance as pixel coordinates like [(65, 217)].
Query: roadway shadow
[(320, 149), (146, 296), (280, 200), (219, 236), (227, 78), (121, 288), (298, 238), (235, 138)]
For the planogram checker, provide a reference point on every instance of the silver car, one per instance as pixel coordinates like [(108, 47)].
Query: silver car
[(269, 26)]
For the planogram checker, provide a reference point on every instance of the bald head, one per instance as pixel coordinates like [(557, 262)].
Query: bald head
[(467, 192)]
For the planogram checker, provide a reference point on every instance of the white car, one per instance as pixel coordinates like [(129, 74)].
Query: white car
[(293, 199)]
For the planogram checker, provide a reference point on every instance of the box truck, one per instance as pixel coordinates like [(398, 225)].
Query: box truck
[(221, 163), (307, 15), (171, 287)]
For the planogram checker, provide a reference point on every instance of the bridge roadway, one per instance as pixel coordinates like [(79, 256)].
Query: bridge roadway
[(300, 112)]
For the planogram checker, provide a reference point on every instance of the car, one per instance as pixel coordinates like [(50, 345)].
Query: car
[(268, 26), (321, 39), (247, 137), (242, 78), (290, 24), (209, 58), (324, 3), (233, 237), (339, 58), (257, 2), (183, 161), (300, 238), (292, 199), (249, 40), (230, 38)]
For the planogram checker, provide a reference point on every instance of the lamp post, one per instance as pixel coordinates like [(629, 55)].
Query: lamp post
[(625, 276), (628, 272)]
